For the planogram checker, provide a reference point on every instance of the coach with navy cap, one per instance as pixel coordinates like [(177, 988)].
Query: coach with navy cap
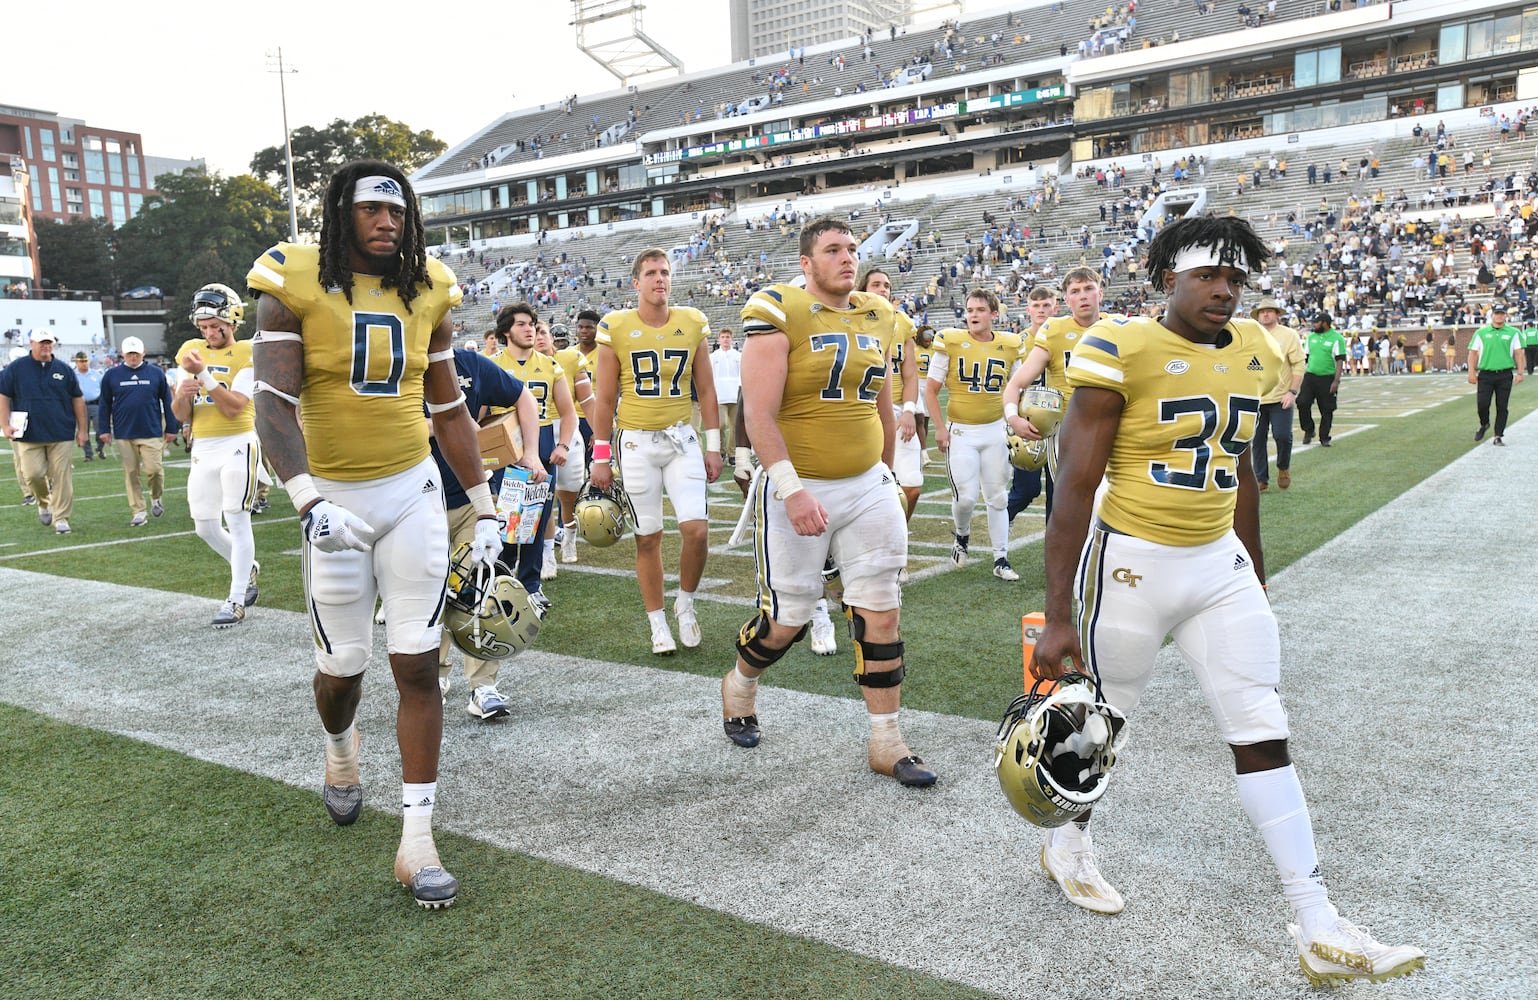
[(41, 411), (136, 410)]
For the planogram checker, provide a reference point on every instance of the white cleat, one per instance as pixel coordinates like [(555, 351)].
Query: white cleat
[(824, 640), (688, 625), (1073, 868), (662, 640), (1004, 571), (569, 543), (1347, 952)]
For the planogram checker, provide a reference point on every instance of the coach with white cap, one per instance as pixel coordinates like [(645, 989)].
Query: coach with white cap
[(39, 400), (136, 410)]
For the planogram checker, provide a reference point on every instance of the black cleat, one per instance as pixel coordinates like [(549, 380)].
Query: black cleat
[(742, 730), (911, 771)]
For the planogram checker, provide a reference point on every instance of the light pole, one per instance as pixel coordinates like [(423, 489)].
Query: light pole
[(288, 151)]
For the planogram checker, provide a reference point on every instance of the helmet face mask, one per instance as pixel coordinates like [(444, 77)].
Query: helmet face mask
[(487, 612), (1055, 749), (216, 301), (603, 514)]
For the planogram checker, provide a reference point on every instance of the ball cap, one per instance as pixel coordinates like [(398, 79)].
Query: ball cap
[(81, 356), (1499, 307), (132, 345), (38, 336)]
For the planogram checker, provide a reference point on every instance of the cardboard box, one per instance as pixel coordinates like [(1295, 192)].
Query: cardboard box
[(501, 442)]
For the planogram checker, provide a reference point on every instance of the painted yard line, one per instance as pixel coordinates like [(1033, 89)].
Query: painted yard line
[(124, 541)]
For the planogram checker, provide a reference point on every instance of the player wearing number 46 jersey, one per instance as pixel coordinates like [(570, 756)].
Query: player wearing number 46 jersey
[(817, 405), (358, 332), (216, 402), (647, 359), (973, 365), (1165, 411)]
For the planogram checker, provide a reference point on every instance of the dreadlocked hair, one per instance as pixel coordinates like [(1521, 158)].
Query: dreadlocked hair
[(336, 234), (1232, 237)]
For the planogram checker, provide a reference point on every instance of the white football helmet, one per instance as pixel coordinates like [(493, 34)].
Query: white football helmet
[(487, 612), (216, 301), (1044, 408), (1055, 750), (1027, 454), (602, 514)]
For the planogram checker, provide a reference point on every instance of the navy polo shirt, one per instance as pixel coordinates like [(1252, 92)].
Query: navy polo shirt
[(484, 383), (46, 391)]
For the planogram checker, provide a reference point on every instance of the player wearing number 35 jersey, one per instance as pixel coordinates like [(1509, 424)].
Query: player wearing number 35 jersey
[(1165, 411)]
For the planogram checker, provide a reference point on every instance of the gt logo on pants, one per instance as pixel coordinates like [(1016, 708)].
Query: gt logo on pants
[(1126, 576)]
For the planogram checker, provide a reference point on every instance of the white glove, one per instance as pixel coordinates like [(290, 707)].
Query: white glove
[(488, 542), (332, 528)]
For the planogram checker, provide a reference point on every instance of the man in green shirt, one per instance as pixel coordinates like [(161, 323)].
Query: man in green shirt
[(1326, 350), (1530, 345), (1493, 366)]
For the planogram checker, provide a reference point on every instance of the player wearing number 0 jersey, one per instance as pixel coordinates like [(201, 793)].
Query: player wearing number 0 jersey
[(973, 365), (357, 332), (214, 401), (817, 405), (648, 358), (1165, 411)]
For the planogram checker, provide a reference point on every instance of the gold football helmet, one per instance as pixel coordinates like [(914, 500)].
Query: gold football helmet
[(1056, 747), (487, 612), (1027, 454), (602, 514), (219, 302), (1044, 408)]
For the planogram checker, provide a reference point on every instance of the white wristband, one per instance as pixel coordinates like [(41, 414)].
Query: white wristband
[(910, 407), (480, 499), (744, 457), (712, 439), (1011, 409), (301, 490), (786, 483), (207, 380)]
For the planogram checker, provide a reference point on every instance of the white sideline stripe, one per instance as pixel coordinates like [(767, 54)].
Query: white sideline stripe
[(122, 541)]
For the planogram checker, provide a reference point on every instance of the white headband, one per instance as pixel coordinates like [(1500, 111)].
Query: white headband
[(378, 188), (1203, 255)]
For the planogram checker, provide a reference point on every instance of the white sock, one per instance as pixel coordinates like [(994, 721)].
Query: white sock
[(1274, 802), (884, 723), (658, 618), (417, 807), (998, 531), (1073, 834), (242, 553), (339, 745), (549, 547), (685, 599)]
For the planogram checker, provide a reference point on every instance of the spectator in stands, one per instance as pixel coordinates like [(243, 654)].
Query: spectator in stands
[(39, 401)]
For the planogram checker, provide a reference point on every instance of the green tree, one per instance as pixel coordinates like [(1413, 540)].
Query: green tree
[(78, 254), (319, 152), (237, 217)]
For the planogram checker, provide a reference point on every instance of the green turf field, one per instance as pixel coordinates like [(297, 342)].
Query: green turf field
[(138, 871)]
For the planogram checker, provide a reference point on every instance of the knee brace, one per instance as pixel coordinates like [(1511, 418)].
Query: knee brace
[(873, 651), (757, 653)]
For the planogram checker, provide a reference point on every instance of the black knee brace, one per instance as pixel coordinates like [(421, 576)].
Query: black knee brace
[(873, 651), (752, 648)]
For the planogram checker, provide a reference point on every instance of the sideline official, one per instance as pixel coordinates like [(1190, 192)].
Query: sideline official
[(1493, 366)]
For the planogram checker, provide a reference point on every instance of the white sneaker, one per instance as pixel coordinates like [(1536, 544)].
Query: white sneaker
[(959, 550), (1073, 868), (487, 703), (662, 640), (569, 543), (688, 624), (824, 640), (1347, 952), (61, 527), (1004, 571)]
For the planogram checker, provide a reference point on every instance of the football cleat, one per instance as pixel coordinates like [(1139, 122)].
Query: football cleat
[(741, 728), (260, 507), (229, 615), (1004, 571), (487, 703), (688, 624), (1056, 747), (1072, 866), (824, 639), (251, 592), (959, 550), (569, 543), (547, 569), (662, 640), (431, 885), (341, 791), (1346, 953)]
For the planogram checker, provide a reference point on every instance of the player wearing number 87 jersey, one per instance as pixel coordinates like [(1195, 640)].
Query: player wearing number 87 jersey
[(974, 365), (1165, 411)]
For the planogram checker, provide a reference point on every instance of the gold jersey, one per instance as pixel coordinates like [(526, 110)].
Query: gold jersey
[(899, 351), (921, 356), (1289, 347), (226, 366), (1057, 337), (364, 361), (836, 364), (572, 360), (975, 374), (656, 365), (1189, 412), (538, 373)]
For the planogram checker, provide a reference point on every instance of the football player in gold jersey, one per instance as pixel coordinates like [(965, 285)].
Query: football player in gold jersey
[(647, 359), (817, 404), (214, 401), (903, 378), (1166, 410), (358, 332), (974, 365)]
